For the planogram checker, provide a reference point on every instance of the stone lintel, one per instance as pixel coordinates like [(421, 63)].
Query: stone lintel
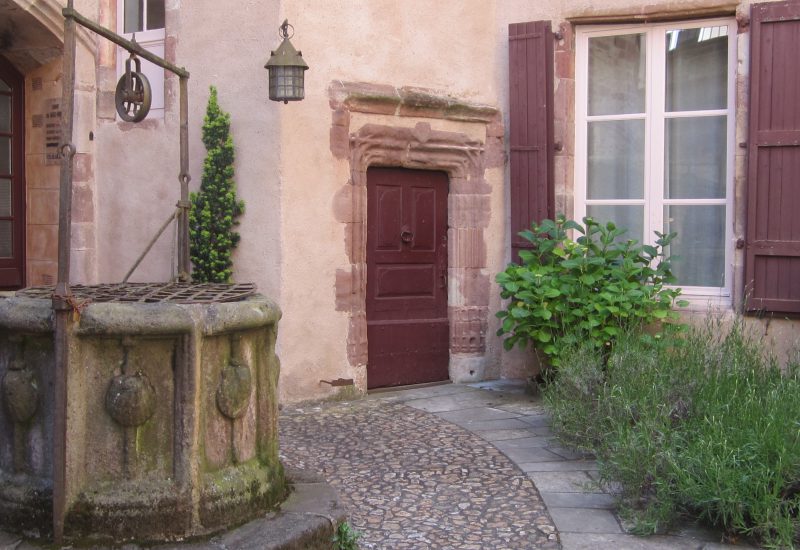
[(653, 12), (365, 97)]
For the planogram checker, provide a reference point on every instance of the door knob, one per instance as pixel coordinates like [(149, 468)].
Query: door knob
[(406, 235)]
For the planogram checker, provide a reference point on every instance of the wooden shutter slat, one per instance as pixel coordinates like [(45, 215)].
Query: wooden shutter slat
[(772, 247), (524, 36), (776, 248), (777, 138), (531, 127)]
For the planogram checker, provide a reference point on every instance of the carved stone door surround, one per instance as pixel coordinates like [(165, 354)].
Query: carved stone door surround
[(465, 160)]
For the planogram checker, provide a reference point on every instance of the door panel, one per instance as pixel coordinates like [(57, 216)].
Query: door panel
[(404, 281), (12, 178), (407, 325)]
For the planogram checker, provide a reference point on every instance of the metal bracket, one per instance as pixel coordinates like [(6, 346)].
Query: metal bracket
[(338, 382)]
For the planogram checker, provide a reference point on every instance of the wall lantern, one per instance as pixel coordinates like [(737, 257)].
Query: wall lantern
[(286, 69)]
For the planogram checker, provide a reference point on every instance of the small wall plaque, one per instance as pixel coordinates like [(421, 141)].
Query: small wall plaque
[(52, 131)]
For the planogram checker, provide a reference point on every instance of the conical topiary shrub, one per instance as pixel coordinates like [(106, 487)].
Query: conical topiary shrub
[(215, 208)]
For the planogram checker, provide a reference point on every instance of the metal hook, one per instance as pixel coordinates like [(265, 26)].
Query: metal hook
[(284, 29), (68, 150)]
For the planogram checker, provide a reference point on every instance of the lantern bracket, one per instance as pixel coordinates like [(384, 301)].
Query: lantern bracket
[(283, 30)]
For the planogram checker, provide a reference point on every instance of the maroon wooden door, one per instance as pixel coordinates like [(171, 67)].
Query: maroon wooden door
[(12, 178), (407, 327)]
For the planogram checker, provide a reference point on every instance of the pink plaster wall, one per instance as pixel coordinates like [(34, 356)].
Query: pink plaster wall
[(294, 160)]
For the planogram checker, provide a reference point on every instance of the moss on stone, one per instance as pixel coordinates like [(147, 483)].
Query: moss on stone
[(346, 393), (233, 496)]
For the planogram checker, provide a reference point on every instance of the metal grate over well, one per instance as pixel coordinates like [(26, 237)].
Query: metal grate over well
[(180, 293)]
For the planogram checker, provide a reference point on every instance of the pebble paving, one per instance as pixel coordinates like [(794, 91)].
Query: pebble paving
[(412, 480)]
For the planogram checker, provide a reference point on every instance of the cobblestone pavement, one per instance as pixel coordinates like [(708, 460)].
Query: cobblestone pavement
[(413, 480)]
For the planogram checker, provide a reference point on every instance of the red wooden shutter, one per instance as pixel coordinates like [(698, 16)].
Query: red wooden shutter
[(772, 273), (530, 52)]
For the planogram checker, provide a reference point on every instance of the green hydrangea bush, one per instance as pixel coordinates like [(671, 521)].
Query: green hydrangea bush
[(591, 288)]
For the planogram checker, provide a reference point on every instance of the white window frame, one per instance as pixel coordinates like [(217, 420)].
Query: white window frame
[(654, 118), (151, 40)]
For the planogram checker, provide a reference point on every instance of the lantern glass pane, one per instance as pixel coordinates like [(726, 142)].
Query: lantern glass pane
[(286, 83)]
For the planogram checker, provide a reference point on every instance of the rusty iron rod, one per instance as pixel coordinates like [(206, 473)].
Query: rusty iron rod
[(152, 242), (131, 46), (61, 296), (184, 262)]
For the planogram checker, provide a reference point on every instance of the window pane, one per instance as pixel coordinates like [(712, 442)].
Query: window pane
[(5, 113), (615, 168), (133, 15), (630, 217), (697, 69), (700, 244), (155, 14), (3, 86), (5, 155), (6, 239), (695, 161), (616, 74), (5, 197)]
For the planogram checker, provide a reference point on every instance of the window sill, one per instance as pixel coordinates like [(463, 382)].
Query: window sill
[(706, 304)]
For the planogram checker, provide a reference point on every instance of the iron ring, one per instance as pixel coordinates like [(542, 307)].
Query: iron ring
[(68, 150)]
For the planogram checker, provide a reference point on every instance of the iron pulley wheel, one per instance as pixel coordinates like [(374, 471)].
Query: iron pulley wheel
[(133, 96)]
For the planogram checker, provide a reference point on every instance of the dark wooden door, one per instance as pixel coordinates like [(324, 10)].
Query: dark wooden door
[(12, 178), (407, 326)]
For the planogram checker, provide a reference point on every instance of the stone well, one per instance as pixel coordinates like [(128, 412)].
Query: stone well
[(171, 425)]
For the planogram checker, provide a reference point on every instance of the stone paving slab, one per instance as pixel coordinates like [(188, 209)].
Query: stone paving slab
[(503, 435), (456, 402), (475, 414), (560, 465), (591, 541), (569, 454), (524, 442), (532, 410), (421, 393), (583, 520), (535, 419), (483, 425), (578, 500), (529, 455), (564, 482)]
